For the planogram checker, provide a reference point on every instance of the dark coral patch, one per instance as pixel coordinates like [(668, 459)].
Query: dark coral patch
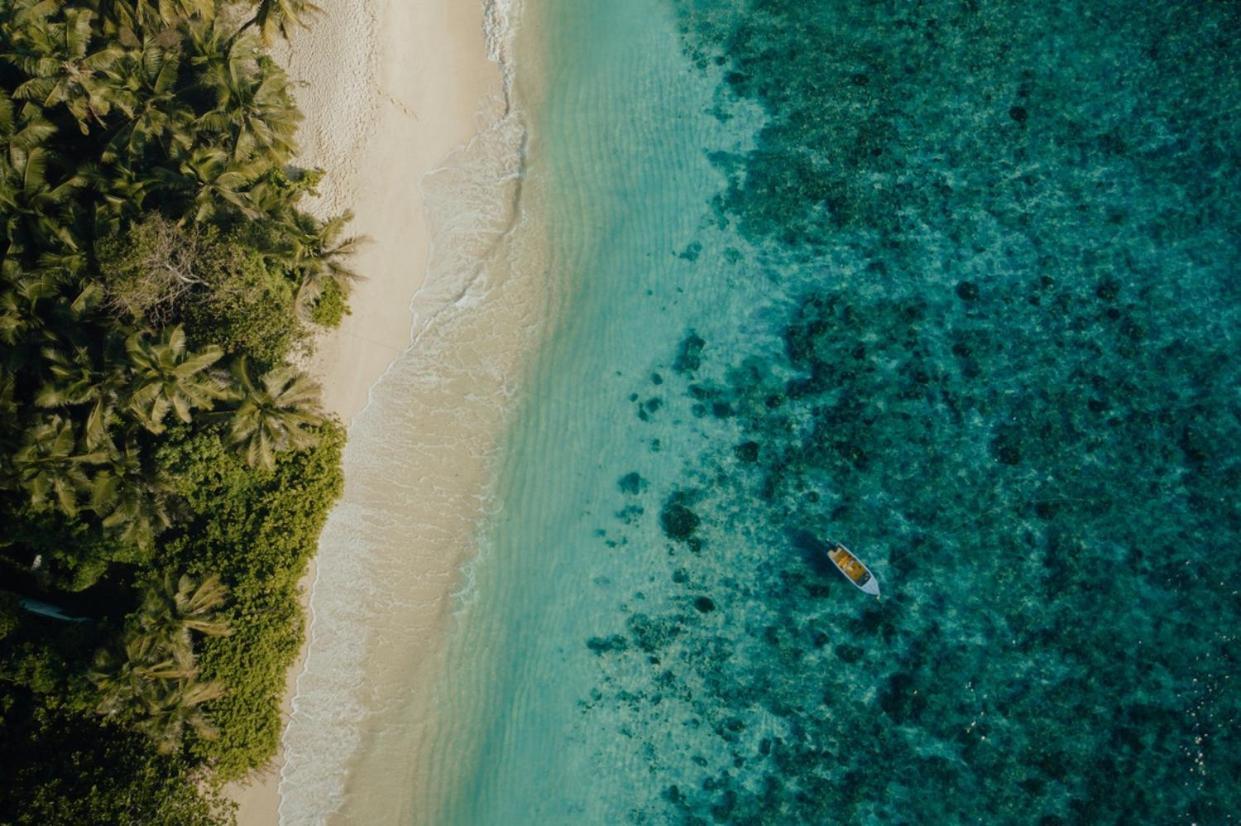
[(678, 521), (689, 354), (652, 633), (630, 514), (849, 653), (746, 451), (607, 645), (691, 252), (631, 483)]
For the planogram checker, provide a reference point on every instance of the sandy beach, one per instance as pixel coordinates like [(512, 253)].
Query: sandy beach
[(389, 90)]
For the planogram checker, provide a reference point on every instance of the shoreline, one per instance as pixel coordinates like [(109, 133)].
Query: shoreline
[(388, 91), (420, 470)]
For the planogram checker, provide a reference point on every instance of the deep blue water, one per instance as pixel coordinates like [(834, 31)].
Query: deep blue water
[(956, 283)]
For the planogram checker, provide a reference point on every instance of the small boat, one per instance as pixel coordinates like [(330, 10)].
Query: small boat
[(853, 568)]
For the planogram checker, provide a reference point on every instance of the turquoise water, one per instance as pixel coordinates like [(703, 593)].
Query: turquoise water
[(955, 283)]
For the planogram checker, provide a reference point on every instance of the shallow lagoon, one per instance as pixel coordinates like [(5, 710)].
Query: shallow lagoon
[(954, 283)]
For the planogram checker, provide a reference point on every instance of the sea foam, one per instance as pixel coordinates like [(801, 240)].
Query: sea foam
[(415, 465)]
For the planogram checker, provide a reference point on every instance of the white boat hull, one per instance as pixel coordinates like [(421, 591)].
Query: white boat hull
[(862, 577)]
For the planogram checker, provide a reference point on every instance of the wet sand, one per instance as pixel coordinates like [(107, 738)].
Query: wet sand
[(389, 89)]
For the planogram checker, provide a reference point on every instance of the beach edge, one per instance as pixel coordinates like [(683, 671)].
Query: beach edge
[(416, 81)]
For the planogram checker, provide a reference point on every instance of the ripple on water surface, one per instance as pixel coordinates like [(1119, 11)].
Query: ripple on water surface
[(954, 283)]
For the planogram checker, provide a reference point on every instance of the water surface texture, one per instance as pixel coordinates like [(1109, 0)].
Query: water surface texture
[(955, 283)]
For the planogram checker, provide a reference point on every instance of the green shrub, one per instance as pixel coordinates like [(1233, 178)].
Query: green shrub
[(160, 201), (258, 529), (10, 610), (331, 307), (247, 309), (218, 285), (67, 769)]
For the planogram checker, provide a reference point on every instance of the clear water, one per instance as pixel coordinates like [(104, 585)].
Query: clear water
[(955, 283)]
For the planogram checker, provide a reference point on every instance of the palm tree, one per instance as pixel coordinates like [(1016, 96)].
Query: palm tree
[(212, 45), (26, 128), (21, 316), (175, 607), (254, 107), (80, 377), (129, 498), (14, 322), (154, 687), (284, 234), (62, 70), (8, 389), (281, 16), (139, 15), (152, 682), (120, 191), (319, 255), (49, 467), (123, 678), (167, 377), (212, 178), (160, 115), (34, 210), (273, 414), (169, 708)]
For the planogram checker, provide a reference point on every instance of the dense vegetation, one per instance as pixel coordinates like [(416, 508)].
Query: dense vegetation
[(164, 469)]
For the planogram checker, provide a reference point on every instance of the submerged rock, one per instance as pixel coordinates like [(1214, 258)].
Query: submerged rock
[(691, 252), (631, 483), (849, 653), (630, 514), (689, 354), (677, 520), (652, 633), (607, 645), (747, 451)]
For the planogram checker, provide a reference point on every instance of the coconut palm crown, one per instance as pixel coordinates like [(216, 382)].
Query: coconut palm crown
[(168, 378), (280, 16), (180, 605), (51, 469), (274, 414), (152, 681)]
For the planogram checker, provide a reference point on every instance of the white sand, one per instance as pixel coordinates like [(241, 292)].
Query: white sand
[(389, 89)]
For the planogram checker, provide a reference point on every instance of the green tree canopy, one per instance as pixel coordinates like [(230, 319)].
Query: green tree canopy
[(168, 378), (164, 470)]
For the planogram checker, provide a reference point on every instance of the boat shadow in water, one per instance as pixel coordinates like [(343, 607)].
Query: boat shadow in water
[(810, 547)]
